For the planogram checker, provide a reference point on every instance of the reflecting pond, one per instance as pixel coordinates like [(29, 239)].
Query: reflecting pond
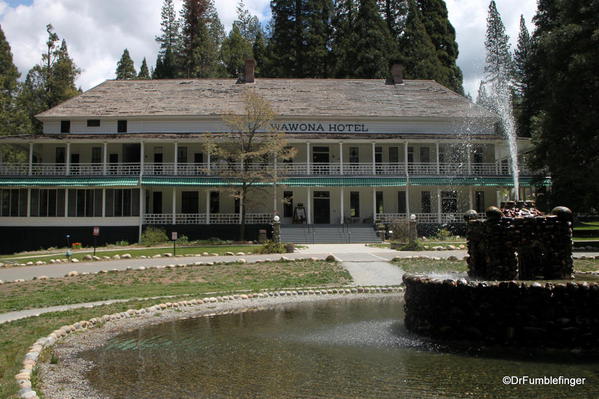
[(346, 348)]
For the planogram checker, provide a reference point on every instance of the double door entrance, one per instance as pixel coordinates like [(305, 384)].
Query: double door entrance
[(322, 207)]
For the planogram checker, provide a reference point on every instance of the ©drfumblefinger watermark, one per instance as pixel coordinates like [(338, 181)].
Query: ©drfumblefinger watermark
[(546, 380)]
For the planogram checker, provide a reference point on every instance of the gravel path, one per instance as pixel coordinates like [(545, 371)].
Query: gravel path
[(374, 273)]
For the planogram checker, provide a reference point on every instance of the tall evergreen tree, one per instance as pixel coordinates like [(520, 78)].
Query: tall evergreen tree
[(344, 37), (248, 24), (521, 58), (235, 50), (317, 39), (419, 54), (260, 53), (394, 12), (51, 82), (561, 102), (125, 68), (201, 36), (144, 71), (286, 39), (436, 22), (166, 61), (374, 44), (13, 119)]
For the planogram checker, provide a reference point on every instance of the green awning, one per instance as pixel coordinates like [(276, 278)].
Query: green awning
[(476, 181), (344, 182), (70, 182)]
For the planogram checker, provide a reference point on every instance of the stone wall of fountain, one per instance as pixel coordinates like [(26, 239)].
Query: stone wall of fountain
[(552, 315), (525, 248)]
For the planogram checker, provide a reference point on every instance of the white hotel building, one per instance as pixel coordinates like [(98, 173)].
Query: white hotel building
[(130, 154)]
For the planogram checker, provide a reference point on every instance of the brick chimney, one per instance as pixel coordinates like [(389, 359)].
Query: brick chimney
[(250, 71), (397, 74)]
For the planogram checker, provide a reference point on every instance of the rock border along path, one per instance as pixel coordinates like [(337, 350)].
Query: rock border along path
[(184, 308)]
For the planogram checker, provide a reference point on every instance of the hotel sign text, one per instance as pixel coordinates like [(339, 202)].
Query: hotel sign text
[(315, 127)]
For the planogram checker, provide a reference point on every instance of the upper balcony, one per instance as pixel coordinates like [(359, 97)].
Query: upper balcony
[(284, 169)]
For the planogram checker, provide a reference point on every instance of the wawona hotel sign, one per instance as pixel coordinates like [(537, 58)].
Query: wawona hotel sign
[(327, 127)]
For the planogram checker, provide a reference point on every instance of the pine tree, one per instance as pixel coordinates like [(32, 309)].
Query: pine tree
[(125, 69), (286, 39), (51, 82), (144, 71), (248, 24), (317, 39), (394, 12), (166, 61), (561, 102), (498, 61), (235, 50), (419, 54), (344, 37), (260, 53), (201, 37), (14, 120), (521, 58), (374, 44), (436, 22)]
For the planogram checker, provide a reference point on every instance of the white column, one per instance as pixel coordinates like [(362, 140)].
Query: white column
[(439, 205), (373, 158), (208, 206), (66, 203), (406, 158), (28, 202), (438, 158), (408, 212), (469, 159), (141, 158), (341, 159), (275, 202), (341, 205), (105, 159), (209, 166), (498, 198), (373, 204), (30, 172), (174, 205), (68, 159), (470, 198), (141, 208), (308, 172), (309, 206), (240, 207), (175, 159), (103, 202)]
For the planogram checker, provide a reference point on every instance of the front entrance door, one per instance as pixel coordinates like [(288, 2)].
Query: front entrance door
[(322, 207), (157, 202), (190, 202), (158, 163)]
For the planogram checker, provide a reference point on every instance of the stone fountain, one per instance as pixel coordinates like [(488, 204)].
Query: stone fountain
[(494, 305)]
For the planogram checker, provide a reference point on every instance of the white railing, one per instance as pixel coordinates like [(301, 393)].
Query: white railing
[(158, 218), (190, 218), (284, 169), (427, 217), (390, 217), (48, 169)]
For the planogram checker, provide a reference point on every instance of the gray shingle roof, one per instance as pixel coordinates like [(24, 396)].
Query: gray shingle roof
[(289, 97)]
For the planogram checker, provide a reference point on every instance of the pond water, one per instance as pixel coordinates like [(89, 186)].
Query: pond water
[(347, 348)]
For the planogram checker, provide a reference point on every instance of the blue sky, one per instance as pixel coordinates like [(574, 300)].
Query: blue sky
[(97, 31)]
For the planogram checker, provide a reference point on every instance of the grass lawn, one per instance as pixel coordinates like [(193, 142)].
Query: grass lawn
[(444, 266), (193, 280), (16, 337), (217, 249)]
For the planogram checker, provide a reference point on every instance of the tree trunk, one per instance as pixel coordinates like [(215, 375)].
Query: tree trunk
[(242, 210)]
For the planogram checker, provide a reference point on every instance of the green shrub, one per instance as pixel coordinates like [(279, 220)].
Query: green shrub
[(443, 235), (122, 243), (153, 235), (271, 247)]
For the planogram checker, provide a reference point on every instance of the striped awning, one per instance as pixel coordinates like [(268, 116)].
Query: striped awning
[(70, 182)]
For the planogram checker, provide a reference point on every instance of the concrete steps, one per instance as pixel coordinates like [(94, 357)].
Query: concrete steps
[(328, 234)]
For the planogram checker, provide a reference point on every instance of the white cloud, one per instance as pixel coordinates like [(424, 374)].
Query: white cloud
[(97, 31)]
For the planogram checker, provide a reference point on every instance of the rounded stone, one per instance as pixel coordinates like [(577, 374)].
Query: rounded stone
[(470, 215), (493, 213), (562, 213)]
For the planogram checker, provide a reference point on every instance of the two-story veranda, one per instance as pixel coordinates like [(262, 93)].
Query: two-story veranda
[(129, 154)]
